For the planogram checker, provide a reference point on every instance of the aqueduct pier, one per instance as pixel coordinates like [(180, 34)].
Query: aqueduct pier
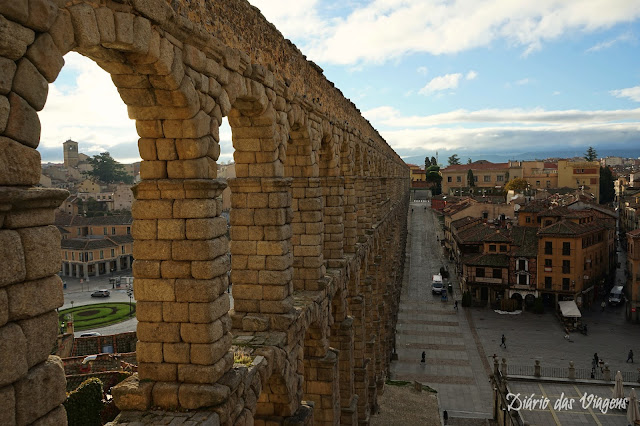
[(318, 219)]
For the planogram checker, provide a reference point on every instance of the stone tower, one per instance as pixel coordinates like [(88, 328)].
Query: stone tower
[(70, 153)]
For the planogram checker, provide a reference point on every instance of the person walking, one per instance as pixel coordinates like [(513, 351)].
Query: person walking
[(504, 342), (455, 305), (603, 305), (424, 355), (630, 356)]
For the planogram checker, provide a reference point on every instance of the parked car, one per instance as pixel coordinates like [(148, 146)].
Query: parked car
[(617, 295), (437, 286), (101, 293), (90, 334)]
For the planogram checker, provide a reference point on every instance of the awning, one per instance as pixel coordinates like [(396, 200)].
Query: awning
[(569, 309)]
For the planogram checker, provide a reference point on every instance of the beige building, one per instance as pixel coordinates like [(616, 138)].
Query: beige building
[(226, 171), (93, 246), (540, 174), (487, 176), (580, 174)]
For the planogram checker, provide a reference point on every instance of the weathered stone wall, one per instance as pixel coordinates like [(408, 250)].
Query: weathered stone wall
[(318, 220)]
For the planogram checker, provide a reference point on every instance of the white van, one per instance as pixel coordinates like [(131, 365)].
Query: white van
[(617, 295), (437, 286)]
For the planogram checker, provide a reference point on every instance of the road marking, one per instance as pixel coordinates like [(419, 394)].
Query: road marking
[(589, 408), (553, 413)]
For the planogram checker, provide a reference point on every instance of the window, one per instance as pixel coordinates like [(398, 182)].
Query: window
[(485, 215), (548, 263), (547, 283), (113, 230), (486, 178), (113, 252), (79, 231), (537, 183), (105, 231), (73, 255), (548, 184), (449, 179), (475, 178), (122, 249), (90, 255), (522, 264), (566, 266), (566, 249), (528, 219), (500, 178), (548, 247), (81, 257), (497, 273), (66, 255), (565, 284), (492, 247), (101, 254), (503, 248), (480, 272), (128, 230), (523, 279), (458, 178)]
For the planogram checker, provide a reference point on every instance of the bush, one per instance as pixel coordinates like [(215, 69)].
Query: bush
[(84, 404), (538, 306), (466, 299)]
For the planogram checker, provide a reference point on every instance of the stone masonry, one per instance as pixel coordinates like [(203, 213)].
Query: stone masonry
[(318, 220)]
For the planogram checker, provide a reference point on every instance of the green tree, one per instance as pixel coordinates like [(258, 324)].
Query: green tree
[(435, 178), (427, 162), (516, 184), (607, 191), (469, 160), (591, 154), (454, 160), (471, 179), (107, 170), (434, 162)]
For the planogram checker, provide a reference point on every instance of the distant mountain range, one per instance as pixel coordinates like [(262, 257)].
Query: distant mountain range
[(503, 157)]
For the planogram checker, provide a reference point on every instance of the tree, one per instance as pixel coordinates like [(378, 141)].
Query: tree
[(435, 178), (434, 162), (591, 154), (454, 160), (607, 191), (516, 184), (107, 170), (427, 162), (469, 160), (471, 179)]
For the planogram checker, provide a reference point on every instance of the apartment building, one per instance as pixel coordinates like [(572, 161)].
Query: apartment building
[(580, 174), (632, 289), (95, 246)]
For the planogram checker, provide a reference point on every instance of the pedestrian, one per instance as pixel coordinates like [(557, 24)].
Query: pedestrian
[(445, 416), (504, 342), (630, 356), (455, 305), (595, 359), (603, 305), (424, 355)]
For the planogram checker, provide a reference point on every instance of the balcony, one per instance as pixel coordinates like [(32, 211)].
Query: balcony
[(487, 280)]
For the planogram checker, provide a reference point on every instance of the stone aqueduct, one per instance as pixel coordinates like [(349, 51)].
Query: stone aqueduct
[(318, 220)]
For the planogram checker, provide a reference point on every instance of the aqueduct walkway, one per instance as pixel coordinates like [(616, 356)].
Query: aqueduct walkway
[(318, 220)]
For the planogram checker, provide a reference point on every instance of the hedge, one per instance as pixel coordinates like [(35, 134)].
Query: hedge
[(84, 404)]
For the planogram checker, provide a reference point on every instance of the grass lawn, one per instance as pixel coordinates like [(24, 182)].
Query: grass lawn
[(88, 317)]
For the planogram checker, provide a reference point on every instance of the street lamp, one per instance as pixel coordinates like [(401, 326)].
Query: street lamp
[(129, 293)]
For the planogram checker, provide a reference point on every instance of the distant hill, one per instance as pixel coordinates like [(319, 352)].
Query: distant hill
[(503, 157)]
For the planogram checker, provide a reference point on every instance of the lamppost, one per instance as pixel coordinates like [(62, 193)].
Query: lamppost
[(129, 293)]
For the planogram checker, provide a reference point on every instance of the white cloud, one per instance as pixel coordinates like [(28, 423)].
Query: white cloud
[(471, 75), (423, 70), (609, 43), (89, 111), (386, 116), (382, 30), (523, 81), (443, 82), (492, 129), (632, 93)]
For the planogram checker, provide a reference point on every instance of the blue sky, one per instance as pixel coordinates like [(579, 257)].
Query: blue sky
[(454, 76)]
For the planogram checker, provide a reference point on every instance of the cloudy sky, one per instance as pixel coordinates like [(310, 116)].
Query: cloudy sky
[(456, 75)]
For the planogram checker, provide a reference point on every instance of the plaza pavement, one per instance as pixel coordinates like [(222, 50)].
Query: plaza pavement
[(459, 345)]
